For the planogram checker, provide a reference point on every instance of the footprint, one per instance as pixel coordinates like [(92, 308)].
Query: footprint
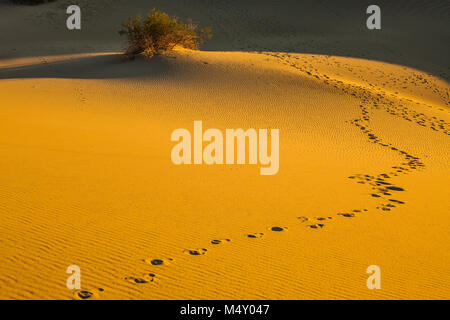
[(316, 226), (347, 215), (278, 229), (395, 188), (397, 201), (323, 218), (375, 195), (145, 278), (84, 294), (196, 252), (255, 235), (216, 241), (302, 219), (157, 262)]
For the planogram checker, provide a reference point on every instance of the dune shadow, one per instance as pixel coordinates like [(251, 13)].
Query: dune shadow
[(104, 66), (413, 33)]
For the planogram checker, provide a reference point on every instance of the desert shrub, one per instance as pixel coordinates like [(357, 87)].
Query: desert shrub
[(159, 33), (31, 2)]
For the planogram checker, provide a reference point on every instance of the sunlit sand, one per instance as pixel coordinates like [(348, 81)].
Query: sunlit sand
[(86, 177)]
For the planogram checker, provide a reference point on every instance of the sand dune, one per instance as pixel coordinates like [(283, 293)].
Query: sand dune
[(414, 32), (87, 177)]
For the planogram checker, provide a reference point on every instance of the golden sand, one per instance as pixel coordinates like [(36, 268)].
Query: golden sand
[(86, 178)]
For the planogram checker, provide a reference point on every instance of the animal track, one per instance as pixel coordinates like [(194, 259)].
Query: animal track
[(278, 229), (157, 262), (381, 185), (216, 241), (145, 278), (395, 188), (255, 235), (316, 226), (374, 97), (196, 252), (347, 215), (323, 218), (84, 294)]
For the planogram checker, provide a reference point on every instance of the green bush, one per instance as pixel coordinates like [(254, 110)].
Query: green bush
[(159, 33)]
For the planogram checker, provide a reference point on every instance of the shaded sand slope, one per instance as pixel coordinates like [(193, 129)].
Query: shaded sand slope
[(414, 33), (87, 178)]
